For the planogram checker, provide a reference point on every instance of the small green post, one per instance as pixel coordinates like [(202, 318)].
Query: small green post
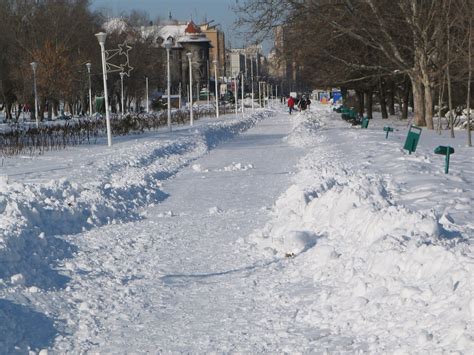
[(446, 163), (446, 151), (388, 130)]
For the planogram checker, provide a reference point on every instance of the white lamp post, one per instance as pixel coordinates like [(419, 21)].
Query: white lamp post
[(34, 66), (101, 36), (259, 93), (217, 92), (189, 55), (122, 74), (208, 84), (251, 74), (168, 45), (88, 66), (147, 103), (236, 93), (242, 75)]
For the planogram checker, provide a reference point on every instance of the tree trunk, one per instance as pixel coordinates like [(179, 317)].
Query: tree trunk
[(469, 77), (8, 111), (440, 101), (405, 99), (360, 101), (55, 105), (418, 102), (368, 103), (383, 102), (448, 75), (391, 99), (50, 109), (429, 106)]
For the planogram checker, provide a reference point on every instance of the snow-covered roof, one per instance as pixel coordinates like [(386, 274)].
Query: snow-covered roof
[(174, 31), (179, 33)]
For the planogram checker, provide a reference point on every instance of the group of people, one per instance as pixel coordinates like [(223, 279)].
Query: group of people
[(301, 104)]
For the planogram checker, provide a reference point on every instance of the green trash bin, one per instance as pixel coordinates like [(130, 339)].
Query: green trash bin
[(100, 104), (365, 122), (412, 139)]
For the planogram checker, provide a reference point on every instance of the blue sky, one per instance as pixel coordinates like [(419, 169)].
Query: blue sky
[(218, 10)]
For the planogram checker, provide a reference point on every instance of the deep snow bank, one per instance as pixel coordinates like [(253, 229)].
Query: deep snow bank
[(32, 215), (388, 276)]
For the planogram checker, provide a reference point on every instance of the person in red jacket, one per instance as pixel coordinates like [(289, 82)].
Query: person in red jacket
[(291, 104)]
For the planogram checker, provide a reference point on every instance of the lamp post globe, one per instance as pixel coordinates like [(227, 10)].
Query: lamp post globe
[(101, 37)]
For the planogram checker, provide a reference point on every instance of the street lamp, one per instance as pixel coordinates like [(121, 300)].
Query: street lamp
[(88, 66), (34, 66), (146, 87), (101, 36), (122, 74), (259, 93), (189, 55), (217, 92), (236, 93), (208, 84), (168, 45), (242, 74), (251, 74)]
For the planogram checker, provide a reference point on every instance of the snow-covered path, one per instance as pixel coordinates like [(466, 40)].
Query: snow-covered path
[(180, 278), (263, 233)]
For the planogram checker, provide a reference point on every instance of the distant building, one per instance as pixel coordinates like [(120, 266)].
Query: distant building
[(241, 60), (285, 71), (186, 38), (206, 42), (217, 52)]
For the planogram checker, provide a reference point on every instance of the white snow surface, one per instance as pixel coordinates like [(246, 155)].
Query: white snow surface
[(258, 233)]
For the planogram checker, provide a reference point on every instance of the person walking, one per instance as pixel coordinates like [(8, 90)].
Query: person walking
[(303, 104), (291, 104)]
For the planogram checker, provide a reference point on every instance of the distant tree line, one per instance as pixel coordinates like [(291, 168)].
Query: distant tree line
[(59, 36), (410, 50)]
